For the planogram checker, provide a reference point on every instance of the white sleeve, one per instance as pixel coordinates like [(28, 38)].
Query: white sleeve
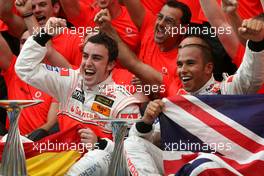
[(44, 77), (148, 136), (249, 77)]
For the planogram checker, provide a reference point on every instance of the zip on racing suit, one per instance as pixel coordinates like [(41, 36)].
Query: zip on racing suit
[(78, 103), (144, 158)]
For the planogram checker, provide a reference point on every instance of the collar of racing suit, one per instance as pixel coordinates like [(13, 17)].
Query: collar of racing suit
[(204, 90)]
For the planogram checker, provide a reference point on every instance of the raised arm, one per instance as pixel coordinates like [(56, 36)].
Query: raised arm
[(53, 56), (5, 54), (15, 23), (250, 75), (44, 77), (230, 7), (24, 7), (216, 18), (136, 11), (127, 58)]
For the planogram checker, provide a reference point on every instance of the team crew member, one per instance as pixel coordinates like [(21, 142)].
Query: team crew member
[(82, 14), (35, 13), (158, 45), (234, 45), (86, 93), (34, 121), (195, 71)]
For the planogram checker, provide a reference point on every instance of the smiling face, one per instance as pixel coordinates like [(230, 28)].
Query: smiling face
[(95, 66), (43, 10), (193, 69), (167, 18)]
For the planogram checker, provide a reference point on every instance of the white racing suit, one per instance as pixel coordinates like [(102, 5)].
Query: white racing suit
[(144, 158), (78, 103)]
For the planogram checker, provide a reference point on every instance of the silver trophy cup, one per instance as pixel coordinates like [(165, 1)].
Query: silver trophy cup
[(13, 158)]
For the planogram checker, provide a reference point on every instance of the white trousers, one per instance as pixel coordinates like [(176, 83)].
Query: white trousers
[(143, 157)]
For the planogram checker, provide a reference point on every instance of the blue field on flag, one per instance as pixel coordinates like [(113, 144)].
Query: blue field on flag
[(213, 134)]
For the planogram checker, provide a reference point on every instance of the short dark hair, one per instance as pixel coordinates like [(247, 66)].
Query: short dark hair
[(109, 43), (187, 14), (205, 46)]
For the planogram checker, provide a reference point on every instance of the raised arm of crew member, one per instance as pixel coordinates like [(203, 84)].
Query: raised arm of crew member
[(53, 56), (15, 23), (217, 18), (230, 8), (126, 57), (25, 7), (136, 11)]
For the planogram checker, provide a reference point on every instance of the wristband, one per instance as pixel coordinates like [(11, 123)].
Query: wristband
[(143, 127), (42, 37), (102, 143), (256, 46)]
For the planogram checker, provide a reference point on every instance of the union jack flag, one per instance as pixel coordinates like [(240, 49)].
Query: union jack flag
[(213, 135)]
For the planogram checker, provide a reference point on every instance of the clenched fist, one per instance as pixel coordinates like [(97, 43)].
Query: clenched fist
[(103, 20), (152, 111), (23, 6), (55, 26), (252, 29)]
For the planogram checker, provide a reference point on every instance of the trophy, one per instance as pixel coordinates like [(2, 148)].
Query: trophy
[(118, 164), (13, 157)]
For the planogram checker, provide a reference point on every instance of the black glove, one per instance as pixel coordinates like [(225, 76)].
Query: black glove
[(38, 134)]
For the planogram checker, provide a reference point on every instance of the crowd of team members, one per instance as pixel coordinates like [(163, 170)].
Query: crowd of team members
[(139, 34)]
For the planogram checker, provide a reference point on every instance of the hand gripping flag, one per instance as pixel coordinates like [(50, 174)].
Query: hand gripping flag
[(213, 135)]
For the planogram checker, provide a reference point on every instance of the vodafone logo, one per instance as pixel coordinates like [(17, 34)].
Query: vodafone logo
[(38, 94), (164, 70), (130, 32)]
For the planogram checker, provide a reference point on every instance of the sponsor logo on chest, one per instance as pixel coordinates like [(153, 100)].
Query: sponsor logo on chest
[(104, 100), (78, 95)]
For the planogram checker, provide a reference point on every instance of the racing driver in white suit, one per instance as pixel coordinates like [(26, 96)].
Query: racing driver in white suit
[(86, 93), (194, 68)]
